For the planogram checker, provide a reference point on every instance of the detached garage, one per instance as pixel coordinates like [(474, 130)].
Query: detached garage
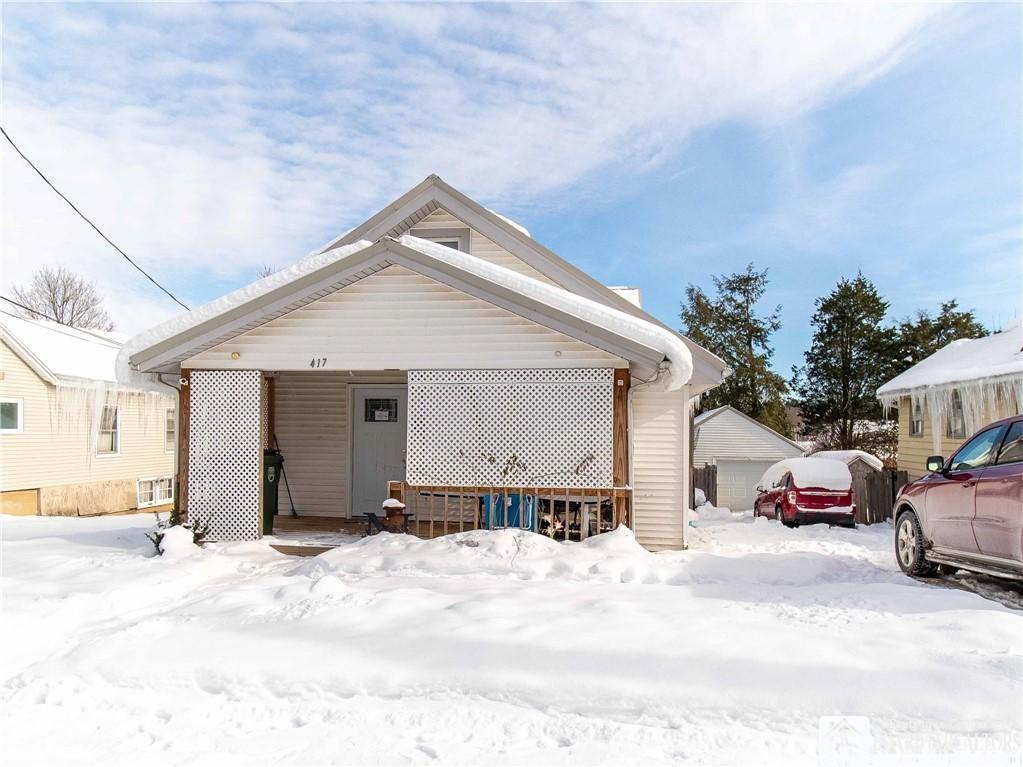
[(742, 449)]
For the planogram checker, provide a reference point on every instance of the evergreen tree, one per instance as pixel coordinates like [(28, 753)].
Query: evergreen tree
[(850, 356), (923, 335), (729, 325)]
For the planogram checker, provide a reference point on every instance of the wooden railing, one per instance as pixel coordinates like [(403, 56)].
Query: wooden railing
[(564, 513)]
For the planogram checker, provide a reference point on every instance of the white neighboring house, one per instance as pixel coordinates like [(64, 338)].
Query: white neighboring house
[(72, 440), (439, 354), (742, 448)]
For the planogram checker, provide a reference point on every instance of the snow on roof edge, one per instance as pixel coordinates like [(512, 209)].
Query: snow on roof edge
[(219, 306)]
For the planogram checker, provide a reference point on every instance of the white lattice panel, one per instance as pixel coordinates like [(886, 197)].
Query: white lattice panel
[(225, 452), (518, 428)]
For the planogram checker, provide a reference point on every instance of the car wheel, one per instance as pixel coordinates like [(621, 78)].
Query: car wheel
[(778, 515), (909, 546)]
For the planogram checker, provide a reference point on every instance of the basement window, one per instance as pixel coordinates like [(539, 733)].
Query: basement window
[(154, 492)]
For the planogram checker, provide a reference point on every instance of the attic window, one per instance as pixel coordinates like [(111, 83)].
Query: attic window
[(456, 238)]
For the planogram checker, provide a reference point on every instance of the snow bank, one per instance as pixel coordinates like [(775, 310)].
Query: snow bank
[(699, 496), (848, 456), (810, 472), (219, 306), (637, 329)]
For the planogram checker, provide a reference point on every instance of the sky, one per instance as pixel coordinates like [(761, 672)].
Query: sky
[(651, 145)]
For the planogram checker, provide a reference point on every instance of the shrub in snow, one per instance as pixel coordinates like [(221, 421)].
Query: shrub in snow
[(174, 521)]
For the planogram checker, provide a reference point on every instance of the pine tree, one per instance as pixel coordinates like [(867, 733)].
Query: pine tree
[(730, 326), (850, 356), (923, 335)]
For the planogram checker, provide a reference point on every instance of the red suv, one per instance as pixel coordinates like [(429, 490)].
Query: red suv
[(967, 512), (799, 491)]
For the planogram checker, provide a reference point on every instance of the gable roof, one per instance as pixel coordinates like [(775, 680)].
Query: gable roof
[(967, 360), (60, 354), (704, 418), (601, 326), (433, 192)]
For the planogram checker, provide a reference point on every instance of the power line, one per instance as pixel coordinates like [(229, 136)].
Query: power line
[(86, 220), (53, 319)]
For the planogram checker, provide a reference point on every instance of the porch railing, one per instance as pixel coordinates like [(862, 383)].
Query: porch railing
[(564, 513)]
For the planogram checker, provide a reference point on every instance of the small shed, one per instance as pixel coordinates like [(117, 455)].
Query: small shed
[(742, 449), (861, 465)]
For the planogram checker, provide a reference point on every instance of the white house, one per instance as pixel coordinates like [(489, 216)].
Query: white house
[(439, 354), (72, 440), (742, 449)]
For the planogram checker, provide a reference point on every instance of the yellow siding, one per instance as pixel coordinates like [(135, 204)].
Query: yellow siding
[(56, 446), (914, 451)]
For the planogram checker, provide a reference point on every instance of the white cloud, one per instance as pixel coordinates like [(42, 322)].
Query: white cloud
[(207, 140)]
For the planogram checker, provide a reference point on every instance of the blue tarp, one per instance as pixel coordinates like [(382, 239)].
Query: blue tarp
[(493, 511)]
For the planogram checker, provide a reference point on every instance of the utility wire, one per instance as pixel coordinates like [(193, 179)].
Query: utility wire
[(53, 319), (86, 220)]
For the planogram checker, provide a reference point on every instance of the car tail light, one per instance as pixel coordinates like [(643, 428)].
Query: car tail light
[(792, 497)]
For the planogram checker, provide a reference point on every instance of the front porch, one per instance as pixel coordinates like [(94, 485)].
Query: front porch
[(564, 514)]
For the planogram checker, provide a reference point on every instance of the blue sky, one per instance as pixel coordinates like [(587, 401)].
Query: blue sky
[(652, 146)]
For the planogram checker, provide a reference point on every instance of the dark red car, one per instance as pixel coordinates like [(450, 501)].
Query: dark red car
[(967, 511), (799, 491)]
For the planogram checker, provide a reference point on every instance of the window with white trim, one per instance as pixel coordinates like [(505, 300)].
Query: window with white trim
[(916, 420), (170, 431), (109, 440), (154, 492), (11, 414), (956, 426)]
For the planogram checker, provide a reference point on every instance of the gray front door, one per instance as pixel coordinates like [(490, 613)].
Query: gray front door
[(379, 426)]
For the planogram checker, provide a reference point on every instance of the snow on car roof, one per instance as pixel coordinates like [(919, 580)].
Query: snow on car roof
[(848, 456), (65, 352), (827, 473), (967, 359)]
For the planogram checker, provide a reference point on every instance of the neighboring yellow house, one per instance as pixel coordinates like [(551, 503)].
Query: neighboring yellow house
[(72, 440), (948, 396)]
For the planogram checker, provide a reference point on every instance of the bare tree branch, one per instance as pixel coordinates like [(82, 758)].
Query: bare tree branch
[(65, 296)]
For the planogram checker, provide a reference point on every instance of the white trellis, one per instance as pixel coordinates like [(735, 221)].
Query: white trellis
[(513, 428), (225, 452)]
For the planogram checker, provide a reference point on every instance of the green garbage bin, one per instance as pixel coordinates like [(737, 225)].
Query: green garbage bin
[(273, 468)]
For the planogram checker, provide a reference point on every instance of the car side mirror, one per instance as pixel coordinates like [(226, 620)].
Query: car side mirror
[(935, 463), (759, 488)]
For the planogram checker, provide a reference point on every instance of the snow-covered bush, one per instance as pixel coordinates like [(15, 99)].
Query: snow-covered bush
[(174, 521)]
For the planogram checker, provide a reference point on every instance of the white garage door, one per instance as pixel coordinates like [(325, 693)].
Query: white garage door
[(736, 483)]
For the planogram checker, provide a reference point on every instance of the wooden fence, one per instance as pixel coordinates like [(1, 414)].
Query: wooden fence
[(706, 479), (874, 494)]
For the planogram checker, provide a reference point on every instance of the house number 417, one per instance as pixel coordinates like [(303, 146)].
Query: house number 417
[(317, 362)]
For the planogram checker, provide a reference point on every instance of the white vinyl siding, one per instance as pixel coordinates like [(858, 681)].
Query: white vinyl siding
[(312, 428), (398, 319), (729, 436), (660, 467), (57, 444)]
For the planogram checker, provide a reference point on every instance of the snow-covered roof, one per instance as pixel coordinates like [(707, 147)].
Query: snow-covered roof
[(848, 456), (825, 473), (629, 294), (62, 354), (280, 293), (966, 360)]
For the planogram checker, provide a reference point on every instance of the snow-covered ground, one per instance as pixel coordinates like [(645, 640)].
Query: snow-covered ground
[(499, 648)]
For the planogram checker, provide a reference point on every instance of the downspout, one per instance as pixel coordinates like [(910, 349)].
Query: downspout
[(177, 451)]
